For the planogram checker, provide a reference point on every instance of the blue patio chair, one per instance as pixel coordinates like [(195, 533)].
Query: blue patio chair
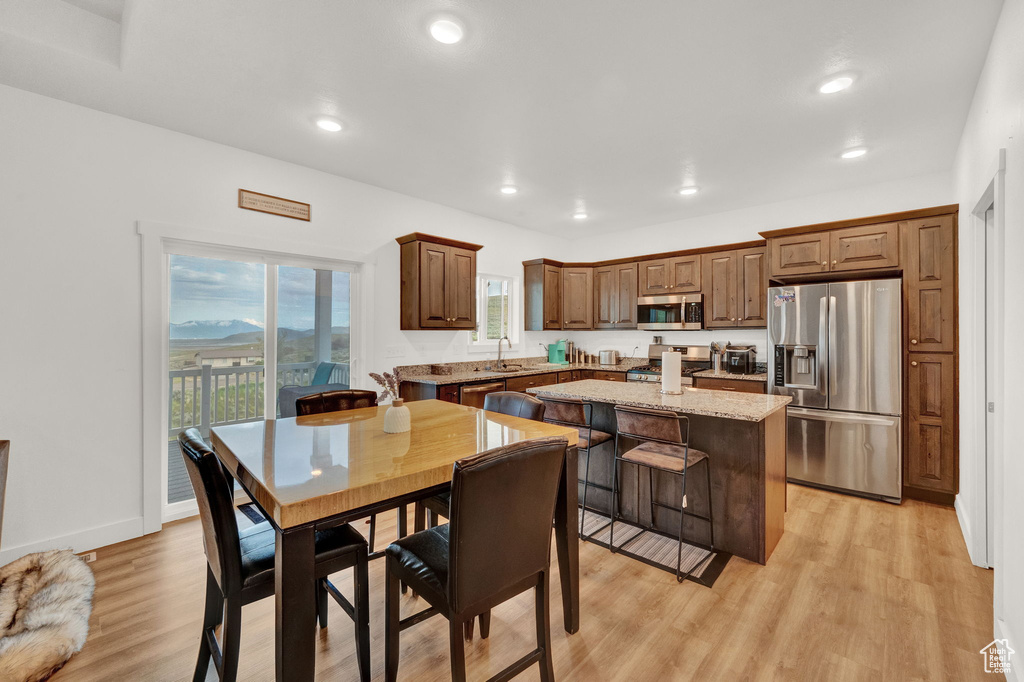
[(323, 373)]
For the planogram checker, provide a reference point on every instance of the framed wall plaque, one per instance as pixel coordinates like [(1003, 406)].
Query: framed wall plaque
[(266, 203)]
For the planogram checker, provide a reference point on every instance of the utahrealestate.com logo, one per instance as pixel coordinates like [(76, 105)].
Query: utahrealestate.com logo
[(997, 656)]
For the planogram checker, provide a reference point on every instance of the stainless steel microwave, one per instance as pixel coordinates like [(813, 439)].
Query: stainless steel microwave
[(678, 311)]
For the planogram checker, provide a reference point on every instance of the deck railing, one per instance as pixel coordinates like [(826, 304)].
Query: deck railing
[(208, 396)]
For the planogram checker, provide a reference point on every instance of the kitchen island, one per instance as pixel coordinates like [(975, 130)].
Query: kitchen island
[(745, 437)]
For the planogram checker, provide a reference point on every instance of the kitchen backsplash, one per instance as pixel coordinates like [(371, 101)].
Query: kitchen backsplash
[(625, 341)]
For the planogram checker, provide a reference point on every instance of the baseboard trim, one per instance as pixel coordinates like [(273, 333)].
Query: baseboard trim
[(925, 495), (84, 540), (1017, 661), (977, 554)]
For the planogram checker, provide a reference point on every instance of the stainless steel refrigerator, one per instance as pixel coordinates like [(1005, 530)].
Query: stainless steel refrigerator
[(835, 348)]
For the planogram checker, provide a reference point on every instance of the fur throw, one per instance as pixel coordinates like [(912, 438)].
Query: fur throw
[(45, 602)]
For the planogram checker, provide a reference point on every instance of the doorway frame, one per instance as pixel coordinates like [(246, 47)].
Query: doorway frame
[(158, 241), (985, 470)]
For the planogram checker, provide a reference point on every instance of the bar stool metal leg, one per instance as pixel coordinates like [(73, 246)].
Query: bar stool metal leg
[(650, 499), (615, 495), (682, 517), (586, 484)]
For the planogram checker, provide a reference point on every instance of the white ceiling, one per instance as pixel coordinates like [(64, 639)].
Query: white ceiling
[(609, 103)]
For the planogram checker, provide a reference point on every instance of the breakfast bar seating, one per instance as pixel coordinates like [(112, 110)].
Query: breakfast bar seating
[(579, 415), (662, 448)]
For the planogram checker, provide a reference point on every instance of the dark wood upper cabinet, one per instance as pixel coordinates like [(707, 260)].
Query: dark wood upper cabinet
[(577, 298), (626, 292), (752, 288), (865, 248), (720, 273), (801, 254), (462, 287), (605, 313), (542, 286), (615, 294), (438, 288), (677, 275), (735, 288), (931, 460), (929, 281)]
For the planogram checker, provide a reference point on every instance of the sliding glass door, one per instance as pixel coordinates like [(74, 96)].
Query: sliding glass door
[(222, 313), (313, 334)]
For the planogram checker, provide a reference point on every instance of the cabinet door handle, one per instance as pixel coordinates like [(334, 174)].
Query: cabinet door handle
[(834, 262), (913, 341), (824, 263), (913, 363)]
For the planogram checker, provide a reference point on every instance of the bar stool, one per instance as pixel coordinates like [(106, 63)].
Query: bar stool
[(663, 448), (579, 415)]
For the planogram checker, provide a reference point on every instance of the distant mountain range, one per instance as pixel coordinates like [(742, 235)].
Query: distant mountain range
[(236, 331), (212, 329)]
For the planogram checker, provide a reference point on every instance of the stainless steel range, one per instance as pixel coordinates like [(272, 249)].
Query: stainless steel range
[(695, 359)]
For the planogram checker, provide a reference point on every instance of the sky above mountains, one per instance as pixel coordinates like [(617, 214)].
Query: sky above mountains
[(212, 289)]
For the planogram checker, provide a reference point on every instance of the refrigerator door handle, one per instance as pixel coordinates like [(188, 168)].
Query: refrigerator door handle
[(833, 352), (822, 349), (826, 416)]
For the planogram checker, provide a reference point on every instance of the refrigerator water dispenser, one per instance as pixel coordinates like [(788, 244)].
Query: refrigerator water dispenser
[(796, 366)]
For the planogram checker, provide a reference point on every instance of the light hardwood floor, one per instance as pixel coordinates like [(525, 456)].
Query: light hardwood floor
[(856, 590)]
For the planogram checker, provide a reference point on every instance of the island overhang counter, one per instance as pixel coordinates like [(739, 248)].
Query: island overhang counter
[(744, 435)]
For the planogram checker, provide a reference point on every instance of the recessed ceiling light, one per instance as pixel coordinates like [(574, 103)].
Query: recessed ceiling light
[(509, 189), (328, 124), (446, 31), (854, 153), (687, 191), (835, 85), (580, 215)]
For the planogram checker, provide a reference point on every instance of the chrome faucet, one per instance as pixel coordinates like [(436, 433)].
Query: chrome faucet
[(504, 338)]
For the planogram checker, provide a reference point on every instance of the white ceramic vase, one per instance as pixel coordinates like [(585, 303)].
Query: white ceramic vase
[(397, 418)]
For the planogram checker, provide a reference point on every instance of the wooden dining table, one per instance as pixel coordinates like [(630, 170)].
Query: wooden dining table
[(315, 472)]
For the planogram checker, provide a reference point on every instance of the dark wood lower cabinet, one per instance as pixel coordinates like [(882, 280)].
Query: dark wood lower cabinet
[(931, 444)]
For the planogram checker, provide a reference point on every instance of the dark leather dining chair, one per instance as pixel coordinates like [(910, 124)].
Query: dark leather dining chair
[(339, 401), (240, 566), (514, 404), (496, 546), (334, 401)]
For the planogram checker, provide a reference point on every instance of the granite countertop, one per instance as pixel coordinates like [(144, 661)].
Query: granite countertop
[(752, 407), (528, 370), (712, 374)]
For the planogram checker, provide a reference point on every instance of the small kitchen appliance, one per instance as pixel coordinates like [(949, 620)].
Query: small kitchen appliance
[(741, 359), (556, 352), (677, 311), (609, 357)]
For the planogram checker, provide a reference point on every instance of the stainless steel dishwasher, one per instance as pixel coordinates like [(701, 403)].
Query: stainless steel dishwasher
[(473, 394)]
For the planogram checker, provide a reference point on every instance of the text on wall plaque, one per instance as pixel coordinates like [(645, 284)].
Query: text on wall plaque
[(265, 203)]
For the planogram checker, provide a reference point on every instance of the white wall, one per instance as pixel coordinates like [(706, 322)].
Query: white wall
[(74, 182), (996, 121)]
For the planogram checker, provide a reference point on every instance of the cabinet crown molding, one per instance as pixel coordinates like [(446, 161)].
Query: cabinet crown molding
[(867, 220), (651, 256), (444, 241)]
